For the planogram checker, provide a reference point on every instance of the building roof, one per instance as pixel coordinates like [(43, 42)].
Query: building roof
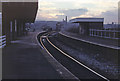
[(78, 20), (25, 11)]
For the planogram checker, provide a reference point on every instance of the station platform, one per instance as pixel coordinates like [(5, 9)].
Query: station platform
[(24, 60), (109, 43)]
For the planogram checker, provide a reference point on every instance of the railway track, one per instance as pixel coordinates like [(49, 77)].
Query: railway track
[(78, 69)]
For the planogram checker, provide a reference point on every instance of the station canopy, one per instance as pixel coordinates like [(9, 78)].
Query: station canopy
[(20, 9)]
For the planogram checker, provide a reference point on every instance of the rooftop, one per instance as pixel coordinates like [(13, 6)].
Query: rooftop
[(87, 20)]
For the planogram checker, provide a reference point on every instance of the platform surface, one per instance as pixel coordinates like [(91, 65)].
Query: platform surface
[(110, 43), (24, 60)]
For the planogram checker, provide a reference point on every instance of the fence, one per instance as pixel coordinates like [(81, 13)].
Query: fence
[(111, 34), (2, 41)]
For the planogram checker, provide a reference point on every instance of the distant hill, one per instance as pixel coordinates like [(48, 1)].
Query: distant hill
[(38, 25)]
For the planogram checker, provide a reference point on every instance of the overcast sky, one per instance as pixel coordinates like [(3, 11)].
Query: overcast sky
[(56, 10)]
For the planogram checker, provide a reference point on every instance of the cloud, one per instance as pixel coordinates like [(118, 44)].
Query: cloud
[(110, 16), (58, 9), (45, 3), (73, 12), (58, 14)]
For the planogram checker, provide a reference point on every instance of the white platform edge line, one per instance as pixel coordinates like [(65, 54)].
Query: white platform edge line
[(91, 42)]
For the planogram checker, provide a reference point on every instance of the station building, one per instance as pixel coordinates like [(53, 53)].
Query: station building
[(88, 23), (15, 13)]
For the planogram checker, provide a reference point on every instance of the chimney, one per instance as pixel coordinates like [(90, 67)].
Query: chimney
[(66, 20)]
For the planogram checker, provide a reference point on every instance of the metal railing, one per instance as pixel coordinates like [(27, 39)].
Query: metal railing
[(2, 41), (111, 34)]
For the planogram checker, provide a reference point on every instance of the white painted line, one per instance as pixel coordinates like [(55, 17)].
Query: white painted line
[(43, 36), (77, 61), (2, 41), (2, 36), (38, 41), (113, 47)]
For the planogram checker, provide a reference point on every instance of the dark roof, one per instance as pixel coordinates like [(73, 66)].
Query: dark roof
[(25, 11), (77, 20)]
